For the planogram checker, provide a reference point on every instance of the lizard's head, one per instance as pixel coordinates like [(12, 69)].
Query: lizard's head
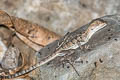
[(94, 26), (97, 24)]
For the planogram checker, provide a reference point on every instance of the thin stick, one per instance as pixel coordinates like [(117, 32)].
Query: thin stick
[(73, 68)]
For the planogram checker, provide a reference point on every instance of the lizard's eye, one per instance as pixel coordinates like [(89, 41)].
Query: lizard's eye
[(92, 28), (13, 45)]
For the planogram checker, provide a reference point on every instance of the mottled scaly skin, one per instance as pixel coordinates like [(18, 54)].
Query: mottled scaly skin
[(66, 44)]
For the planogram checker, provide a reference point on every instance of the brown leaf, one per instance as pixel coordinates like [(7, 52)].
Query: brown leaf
[(32, 34), (37, 34)]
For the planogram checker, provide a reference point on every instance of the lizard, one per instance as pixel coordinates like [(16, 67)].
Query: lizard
[(69, 42)]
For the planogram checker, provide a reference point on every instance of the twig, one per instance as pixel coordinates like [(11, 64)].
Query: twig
[(73, 67)]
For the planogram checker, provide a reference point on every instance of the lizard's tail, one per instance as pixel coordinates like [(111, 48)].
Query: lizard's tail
[(42, 62), (18, 73)]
